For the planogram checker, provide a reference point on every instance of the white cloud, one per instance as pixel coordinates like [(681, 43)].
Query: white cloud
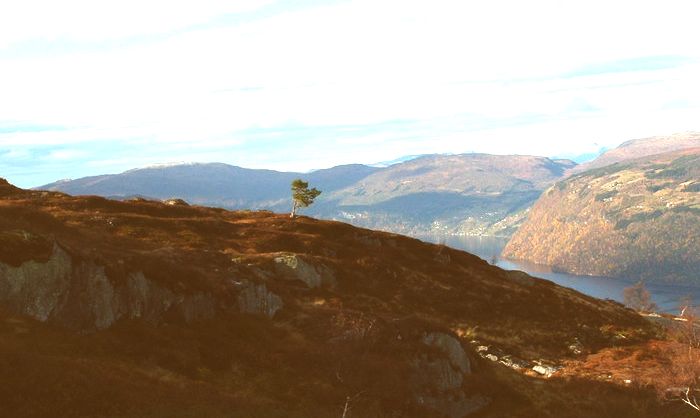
[(485, 76), (97, 20), (65, 155)]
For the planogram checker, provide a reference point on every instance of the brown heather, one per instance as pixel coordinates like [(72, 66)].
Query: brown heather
[(390, 291)]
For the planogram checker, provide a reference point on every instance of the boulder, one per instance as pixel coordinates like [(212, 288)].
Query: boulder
[(294, 267), (544, 370), (256, 299), (439, 375), (491, 357), (175, 202), (452, 349)]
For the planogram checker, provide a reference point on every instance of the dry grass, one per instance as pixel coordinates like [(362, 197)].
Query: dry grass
[(325, 345)]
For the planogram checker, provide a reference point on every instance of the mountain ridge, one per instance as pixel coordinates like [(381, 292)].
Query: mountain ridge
[(467, 184), (641, 147)]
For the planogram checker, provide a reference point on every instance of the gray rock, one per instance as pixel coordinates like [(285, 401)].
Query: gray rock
[(544, 370), (90, 303), (256, 299), (514, 362), (293, 267), (576, 347), (36, 289), (141, 298), (79, 295), (437, 374), (451, 347), (175, 202), (438, 378)]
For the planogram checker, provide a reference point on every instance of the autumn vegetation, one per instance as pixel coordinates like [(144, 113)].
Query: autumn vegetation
[(633, 219), (330, 351)]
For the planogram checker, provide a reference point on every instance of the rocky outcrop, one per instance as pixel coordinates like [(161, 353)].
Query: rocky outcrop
[(439, 375), (175, 202), (452, 349), (36, 289), (79, 295), (294, 267), (256, 299)]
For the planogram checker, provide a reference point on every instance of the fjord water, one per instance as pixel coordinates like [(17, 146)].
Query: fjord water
[(667, 297)]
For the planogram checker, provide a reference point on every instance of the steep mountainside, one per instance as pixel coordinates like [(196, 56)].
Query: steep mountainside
[(638, 148), (142, 308), (464, 194), (638, 219)]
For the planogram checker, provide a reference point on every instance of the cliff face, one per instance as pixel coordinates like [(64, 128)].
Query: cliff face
[(209, 311), (79, 295), (638, 219)]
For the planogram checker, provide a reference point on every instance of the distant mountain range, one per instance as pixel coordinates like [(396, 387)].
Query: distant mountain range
[(448, 194), (470, 194), (608, 216), (210, 184), (395, 161), (638, 217)]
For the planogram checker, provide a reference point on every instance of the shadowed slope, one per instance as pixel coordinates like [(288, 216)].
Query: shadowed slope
[(301, 314)]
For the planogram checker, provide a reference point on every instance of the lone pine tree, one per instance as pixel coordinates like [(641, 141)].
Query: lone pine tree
[(302, 196)]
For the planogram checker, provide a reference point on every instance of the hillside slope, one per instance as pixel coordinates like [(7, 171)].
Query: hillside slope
[(638, 219), (638, 148), (467, 194), (185, 311), (461, 194)]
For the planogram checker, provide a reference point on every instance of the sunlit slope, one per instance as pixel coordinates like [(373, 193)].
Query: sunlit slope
[(141, 308), (638, 219)]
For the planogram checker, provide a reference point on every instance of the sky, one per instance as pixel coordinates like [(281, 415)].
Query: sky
[(91, 87)]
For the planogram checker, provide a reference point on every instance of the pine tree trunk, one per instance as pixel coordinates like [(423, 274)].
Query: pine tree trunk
[(294, 210)]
